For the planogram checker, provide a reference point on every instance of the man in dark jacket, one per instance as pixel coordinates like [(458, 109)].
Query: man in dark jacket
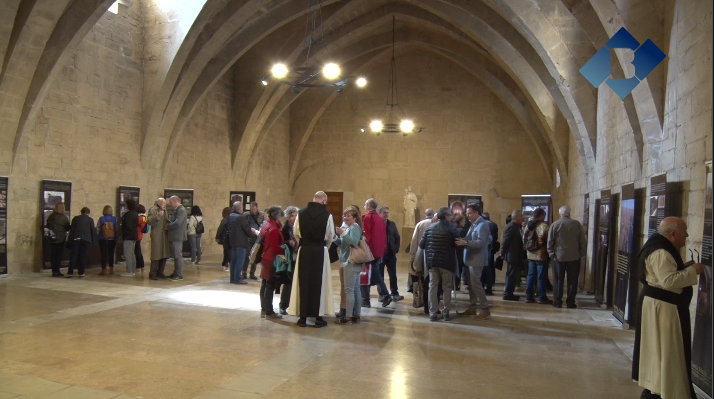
[(375, 232), (513, 252), (129, 235), (82, 234), (390, 256), (439, 246), (255, 219), (239, 233)]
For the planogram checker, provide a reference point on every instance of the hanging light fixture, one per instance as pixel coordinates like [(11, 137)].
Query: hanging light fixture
[(405, 126), (306, 74)]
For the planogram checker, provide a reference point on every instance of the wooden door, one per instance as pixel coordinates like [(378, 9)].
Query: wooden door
[(334, 206)]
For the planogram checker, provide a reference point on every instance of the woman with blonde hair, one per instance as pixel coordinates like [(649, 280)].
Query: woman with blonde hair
[(350, 235), (58, 224), (107, 227)]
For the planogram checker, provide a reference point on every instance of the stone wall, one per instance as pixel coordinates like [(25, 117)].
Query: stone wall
[(471, 144), (686, 140)]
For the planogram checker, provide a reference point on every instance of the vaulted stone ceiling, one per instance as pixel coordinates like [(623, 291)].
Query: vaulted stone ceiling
[(528, 52)]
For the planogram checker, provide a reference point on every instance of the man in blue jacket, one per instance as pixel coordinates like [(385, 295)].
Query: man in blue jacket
[(477, 243)]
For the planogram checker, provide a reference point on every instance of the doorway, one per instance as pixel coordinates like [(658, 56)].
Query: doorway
[(334, 206)]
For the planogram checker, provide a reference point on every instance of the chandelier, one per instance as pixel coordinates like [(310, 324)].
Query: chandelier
[(405, 126), (304, 74)]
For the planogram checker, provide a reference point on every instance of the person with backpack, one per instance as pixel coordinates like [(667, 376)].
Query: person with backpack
[(535, 241), (107, 228), (195, 232), (57, 226), (142, 228)]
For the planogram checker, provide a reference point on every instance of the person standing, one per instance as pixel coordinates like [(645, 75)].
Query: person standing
[(272, 240), (129, 234), (477, 246), (177, 235), (418, 271), (286, 281), (107, 227), (538, 258), (82, 234), (513, 252), (194, 237), (311, 295), (160, 248), (488, 277), (222, 238), (662, 357), (375, 232), (566, 245), (58, 224), (255, 219), (439, 246), (350, 235), (390, 255), (141, 210), (239, 233)]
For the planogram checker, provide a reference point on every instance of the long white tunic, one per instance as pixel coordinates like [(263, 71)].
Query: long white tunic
[(663, 369), (327, 305)]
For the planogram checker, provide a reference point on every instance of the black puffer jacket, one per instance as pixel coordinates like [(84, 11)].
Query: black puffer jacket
[(438, 243)]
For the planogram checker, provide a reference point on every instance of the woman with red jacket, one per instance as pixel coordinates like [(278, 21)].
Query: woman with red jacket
[(272, 240)]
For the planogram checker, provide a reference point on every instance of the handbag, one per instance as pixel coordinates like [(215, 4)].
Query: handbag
[(418, 298), (498, 264), (361, 253), (365, 274)]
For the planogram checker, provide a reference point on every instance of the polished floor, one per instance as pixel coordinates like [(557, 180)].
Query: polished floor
[(118, 337)]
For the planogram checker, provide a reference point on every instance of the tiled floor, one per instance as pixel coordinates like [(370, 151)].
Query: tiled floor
[(114, 337)]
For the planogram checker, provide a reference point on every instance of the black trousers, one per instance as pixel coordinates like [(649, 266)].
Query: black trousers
[(562, 270), (157, 268), (226, 254), (107, 248), (139, 256), (56, 252), (267, 289), (78, 257)]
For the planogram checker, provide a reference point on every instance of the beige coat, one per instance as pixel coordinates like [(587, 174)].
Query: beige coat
[(663, 369), (160, 247)]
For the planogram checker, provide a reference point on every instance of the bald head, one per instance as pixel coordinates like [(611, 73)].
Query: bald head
[(320, 197), (237, 206), (675, 230), (161, 202), (428, 213)]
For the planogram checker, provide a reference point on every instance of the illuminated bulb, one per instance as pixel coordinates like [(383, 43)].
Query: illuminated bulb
[(406, 126), (264, 81), (376, 126), (279, 71), (361, 82), (361, 129), (331, 71)]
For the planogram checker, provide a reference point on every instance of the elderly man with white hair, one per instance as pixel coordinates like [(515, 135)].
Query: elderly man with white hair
[(662, 357), (566, 245)]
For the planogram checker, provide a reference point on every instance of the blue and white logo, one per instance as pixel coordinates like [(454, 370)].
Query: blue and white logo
[(647, 57)]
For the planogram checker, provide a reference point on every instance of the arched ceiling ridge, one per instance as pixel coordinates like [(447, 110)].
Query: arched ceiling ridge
[(67, 34), (520, 68), (474, 69)]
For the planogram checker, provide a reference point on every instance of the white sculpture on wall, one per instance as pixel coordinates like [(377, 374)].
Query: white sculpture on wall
[(410, 206)]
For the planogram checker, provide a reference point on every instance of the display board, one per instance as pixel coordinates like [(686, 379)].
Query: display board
[(124, 193), (3, 224), (625, 253), (657, 203), (244, 196), (52, 192), (464, 200), (603, 247), (702, 342), (586, 224), (186, 196), (530, 202)]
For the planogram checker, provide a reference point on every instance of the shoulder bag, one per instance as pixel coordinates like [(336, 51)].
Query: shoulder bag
[(361, 253)]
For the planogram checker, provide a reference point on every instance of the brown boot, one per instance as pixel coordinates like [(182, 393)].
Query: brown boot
[(103, 272), (485, 313), (111, 270)]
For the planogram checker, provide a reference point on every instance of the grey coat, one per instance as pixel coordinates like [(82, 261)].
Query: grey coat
[(478, 247), (160, 248), (177, 227)]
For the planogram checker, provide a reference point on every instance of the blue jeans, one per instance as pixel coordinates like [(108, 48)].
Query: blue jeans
[(195, 241), (353, 293), (376, 279), (536, 271), (237, 259)]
